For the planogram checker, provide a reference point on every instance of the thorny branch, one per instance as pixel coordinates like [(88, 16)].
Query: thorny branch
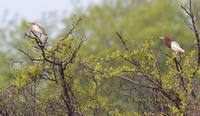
[(58, 66), (192, 24), (41, 47), (29, 56), (73, 54), (90, 68), (72, 29), (122, 41), (156, 84), (180, 73), (123, 77)]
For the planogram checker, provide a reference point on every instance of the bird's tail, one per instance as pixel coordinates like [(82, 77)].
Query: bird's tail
[(182, 50)]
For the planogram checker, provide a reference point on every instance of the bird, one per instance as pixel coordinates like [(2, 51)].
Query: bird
[(39, 31), (173, 45)]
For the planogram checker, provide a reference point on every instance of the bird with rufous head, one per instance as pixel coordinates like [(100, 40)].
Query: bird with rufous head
[(173, 45)]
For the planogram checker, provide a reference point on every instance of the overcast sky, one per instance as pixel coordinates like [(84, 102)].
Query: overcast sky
[(33, 9)]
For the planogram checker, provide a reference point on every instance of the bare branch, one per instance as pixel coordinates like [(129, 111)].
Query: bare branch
[(73, 55), (119, 76), (195, 30), (193, 27), (72, 29), (29, 56), (123, 41)]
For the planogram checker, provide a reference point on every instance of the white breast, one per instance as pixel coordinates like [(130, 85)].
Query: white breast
[(176, 47)]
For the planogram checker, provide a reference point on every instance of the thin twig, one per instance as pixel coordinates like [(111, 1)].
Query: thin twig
[(72, 29), (123, 41)]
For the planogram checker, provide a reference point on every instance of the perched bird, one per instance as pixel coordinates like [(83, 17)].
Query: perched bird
[(173, 45), (39, 31)]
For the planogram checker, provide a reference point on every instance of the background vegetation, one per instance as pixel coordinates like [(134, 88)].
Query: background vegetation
[(106, 61)]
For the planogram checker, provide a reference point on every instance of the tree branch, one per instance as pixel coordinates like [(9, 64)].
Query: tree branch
[(193, 27), (122, 41), (72, 29)]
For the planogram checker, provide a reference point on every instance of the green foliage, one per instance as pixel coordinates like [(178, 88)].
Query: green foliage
[(137, 21), (4, 70), (26, 74), (107, 75)]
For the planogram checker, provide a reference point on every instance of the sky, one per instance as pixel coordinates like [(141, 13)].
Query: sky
[(33, 9)]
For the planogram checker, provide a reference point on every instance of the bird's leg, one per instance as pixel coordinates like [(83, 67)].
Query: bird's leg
[(177, 64), (178, 54), (174, 57)]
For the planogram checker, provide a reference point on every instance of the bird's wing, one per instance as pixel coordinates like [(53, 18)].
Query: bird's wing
[(39, 29), (175, 43), (36, 28), (176, 47), (42, 30)]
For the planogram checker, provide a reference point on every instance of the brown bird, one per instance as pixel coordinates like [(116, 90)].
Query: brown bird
[(39, 31)]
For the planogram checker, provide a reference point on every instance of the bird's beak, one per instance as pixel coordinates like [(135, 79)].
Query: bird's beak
[(161, 37)]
